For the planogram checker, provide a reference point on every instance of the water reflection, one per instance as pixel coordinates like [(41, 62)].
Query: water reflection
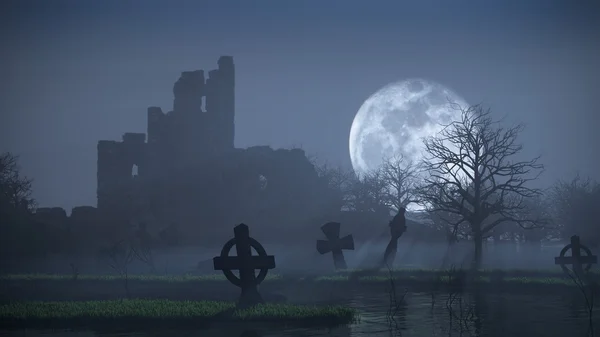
[(250, 333), (467, 314)]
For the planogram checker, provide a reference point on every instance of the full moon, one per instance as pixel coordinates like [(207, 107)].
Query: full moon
[(395, 119)]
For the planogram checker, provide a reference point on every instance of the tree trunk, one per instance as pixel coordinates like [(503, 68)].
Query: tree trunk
[(478, 256), (127, 284), (496, 237), (537, 246)]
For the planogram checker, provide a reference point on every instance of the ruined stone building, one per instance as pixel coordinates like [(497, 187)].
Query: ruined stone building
[(186, 170)]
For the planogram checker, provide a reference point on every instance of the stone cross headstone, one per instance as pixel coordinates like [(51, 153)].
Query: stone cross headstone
[(335, 244), (246, 264), (581, 264)]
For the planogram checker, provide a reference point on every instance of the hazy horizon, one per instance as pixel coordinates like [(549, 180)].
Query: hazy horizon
[(78, 73)]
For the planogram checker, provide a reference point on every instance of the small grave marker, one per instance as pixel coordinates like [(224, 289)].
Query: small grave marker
[(576, 259), (335, 244), (246, 263)]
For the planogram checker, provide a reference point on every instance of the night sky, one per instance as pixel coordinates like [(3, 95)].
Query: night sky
[(75, 72)]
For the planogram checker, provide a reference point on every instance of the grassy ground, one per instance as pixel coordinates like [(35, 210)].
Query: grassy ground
[(109, 278), (508, 277), (276, 288), (150, 313)]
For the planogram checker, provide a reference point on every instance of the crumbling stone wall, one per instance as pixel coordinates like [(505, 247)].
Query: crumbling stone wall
[(118, 164), (82, 230), (190, 135), (190, 173), (56, 217), (201, 124), (220, 101)]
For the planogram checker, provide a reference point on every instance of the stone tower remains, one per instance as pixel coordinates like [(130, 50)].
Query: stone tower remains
[(200, 127)]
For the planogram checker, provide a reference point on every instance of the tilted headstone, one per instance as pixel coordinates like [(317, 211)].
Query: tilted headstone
[(397, 228), (335, 244)]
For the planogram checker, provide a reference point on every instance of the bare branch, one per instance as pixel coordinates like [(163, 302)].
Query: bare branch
[(575, 208), (401, 178), (338, 180), (473, 174), (368, 193), (15, 189)]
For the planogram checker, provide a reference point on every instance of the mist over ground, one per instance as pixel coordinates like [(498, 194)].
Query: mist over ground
[(304, 259), (134, 136)]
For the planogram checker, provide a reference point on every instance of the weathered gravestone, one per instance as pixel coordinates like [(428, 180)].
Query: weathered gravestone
[(576, 260), (246, 263), (335, 244), (397, 228)]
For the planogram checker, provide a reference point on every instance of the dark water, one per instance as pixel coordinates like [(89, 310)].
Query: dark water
[(487, 315)]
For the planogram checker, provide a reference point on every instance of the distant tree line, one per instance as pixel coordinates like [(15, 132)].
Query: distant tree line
[(18, 232), (471, 187)]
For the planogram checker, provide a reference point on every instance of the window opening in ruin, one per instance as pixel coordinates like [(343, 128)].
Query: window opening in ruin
[(262, 182), (134, 170), (203, 104)]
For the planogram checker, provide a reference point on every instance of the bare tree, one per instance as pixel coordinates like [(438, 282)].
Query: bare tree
[(368, 193), (142, 245), (452, 225), (575, 208), (20, 233), (447, 221), (120, 255), (401, 177), (15, 189), (536, 208), (473, 174), (338, 181)]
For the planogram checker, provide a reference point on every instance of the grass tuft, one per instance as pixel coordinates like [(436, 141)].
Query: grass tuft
[(146, 312), (132, 277)]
